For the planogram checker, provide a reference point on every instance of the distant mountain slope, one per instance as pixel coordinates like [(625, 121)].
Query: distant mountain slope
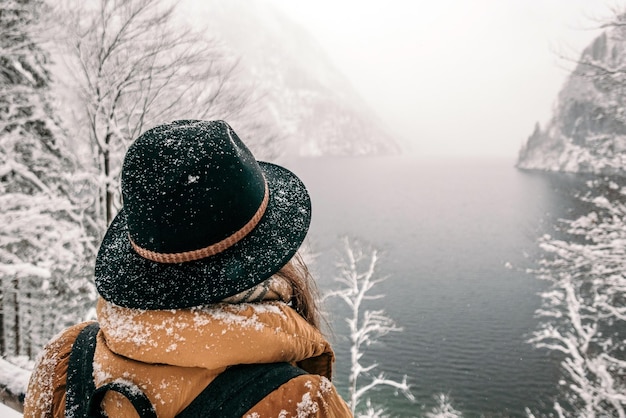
[(311, 102), (587, 132)]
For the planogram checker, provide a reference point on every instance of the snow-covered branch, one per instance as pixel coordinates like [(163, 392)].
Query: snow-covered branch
[(381, 380), (357, 277), (583, 310), (134, 65), (13, 384), (444, 408), (45, 247)]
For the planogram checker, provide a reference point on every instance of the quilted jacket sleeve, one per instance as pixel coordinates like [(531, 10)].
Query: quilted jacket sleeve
[(304, 396)]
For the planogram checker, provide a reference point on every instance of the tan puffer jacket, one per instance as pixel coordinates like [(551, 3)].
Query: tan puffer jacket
[(173, 355)]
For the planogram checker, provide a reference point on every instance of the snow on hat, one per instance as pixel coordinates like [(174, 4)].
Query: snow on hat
[(202, 219)]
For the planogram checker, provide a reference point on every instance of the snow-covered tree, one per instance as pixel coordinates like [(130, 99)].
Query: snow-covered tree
[(584, 310), (357, 276), (443, 408), (43, 245), (133, 65)]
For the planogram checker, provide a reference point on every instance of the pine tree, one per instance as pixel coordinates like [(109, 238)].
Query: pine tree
[(43, 245)]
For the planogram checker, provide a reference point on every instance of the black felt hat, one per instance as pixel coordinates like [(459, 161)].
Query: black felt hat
[(201, 219)]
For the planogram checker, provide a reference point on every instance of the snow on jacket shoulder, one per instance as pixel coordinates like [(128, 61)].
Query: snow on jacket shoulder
[(172, 355)]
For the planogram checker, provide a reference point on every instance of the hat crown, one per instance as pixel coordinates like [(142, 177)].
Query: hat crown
[(188, 185)]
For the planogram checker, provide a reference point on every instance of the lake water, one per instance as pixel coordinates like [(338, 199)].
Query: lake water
[(457, 237)]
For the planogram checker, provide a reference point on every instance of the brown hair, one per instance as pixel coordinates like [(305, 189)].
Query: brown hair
[(305, 294)]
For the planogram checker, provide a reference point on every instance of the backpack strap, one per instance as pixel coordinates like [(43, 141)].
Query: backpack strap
[(140, 401), (230, 395), (80, 384), (82, 399), (238, 389)]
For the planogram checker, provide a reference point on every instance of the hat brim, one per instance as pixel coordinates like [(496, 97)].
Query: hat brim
[(126, 279)]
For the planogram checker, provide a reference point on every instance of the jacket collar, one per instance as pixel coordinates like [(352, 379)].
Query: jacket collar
[(215, 336)]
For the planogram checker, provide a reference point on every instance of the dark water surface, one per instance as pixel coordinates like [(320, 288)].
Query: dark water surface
[(457, 237)]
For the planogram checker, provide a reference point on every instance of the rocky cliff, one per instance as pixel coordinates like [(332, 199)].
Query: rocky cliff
[(587, 132), (311, 102)]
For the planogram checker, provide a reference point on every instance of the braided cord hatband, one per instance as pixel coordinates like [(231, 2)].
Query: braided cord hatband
[(212, 249)]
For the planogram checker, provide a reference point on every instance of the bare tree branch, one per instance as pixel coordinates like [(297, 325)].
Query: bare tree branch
[(137, 68), (357, 277)]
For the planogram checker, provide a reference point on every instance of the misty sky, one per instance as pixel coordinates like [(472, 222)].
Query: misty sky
[(454, 77)]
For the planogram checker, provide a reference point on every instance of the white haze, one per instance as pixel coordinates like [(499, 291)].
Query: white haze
[(454, 77)]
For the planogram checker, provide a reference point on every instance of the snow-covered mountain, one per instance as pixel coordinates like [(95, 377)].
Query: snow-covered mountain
[(311, 102), (587, 132)]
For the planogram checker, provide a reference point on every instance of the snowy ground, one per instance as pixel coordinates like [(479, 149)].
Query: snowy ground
[(6, 412)]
